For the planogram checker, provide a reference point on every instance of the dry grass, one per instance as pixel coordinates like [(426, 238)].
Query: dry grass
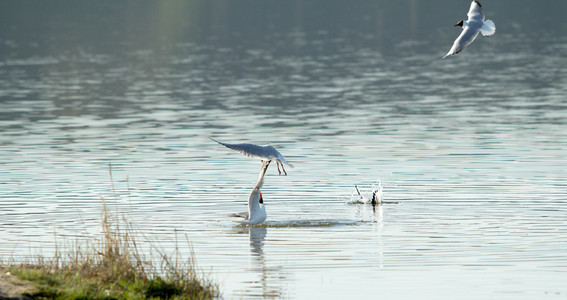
[(114, 267)]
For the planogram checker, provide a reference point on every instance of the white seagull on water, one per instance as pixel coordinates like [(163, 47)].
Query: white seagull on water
[(256, 210), (471, 28)]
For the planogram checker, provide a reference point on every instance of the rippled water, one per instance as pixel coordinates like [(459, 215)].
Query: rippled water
[(470, 151)]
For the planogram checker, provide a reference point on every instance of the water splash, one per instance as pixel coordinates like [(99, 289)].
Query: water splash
[(300, 223), (371, 193)]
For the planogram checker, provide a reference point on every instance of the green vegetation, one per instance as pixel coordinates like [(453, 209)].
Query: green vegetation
[(113, 268)]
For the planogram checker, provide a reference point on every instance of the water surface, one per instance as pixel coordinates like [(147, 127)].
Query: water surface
[(470, 149)]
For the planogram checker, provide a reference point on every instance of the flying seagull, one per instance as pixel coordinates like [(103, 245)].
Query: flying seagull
[(471, 28), (263, 153)]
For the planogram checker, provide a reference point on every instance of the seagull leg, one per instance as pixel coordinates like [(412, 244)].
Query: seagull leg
[(283, 169), (278, 165)]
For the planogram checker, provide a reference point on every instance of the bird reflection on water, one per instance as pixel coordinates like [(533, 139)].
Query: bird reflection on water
[(269, 277)]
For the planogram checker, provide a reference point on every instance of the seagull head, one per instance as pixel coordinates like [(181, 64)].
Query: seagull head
[(460, 24)]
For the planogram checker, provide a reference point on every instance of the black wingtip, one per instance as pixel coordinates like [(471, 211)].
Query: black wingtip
[(477, 3), (219, 142)]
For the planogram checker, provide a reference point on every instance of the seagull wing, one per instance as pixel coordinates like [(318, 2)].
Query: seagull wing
[(475, 12), (467, 36), (249, 150), (240, 215)]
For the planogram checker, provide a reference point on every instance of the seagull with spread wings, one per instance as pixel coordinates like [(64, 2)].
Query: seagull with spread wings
[(471, 28)]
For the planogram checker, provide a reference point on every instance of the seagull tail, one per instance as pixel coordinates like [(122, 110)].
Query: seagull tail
[(281, 159), (290, 165), (488, 28)]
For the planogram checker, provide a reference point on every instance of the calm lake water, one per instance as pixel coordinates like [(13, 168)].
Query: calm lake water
[(471, 150)]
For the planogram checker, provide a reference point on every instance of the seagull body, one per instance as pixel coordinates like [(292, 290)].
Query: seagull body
[(263, 153), (471, 28), (256, 209), (256, 213)]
